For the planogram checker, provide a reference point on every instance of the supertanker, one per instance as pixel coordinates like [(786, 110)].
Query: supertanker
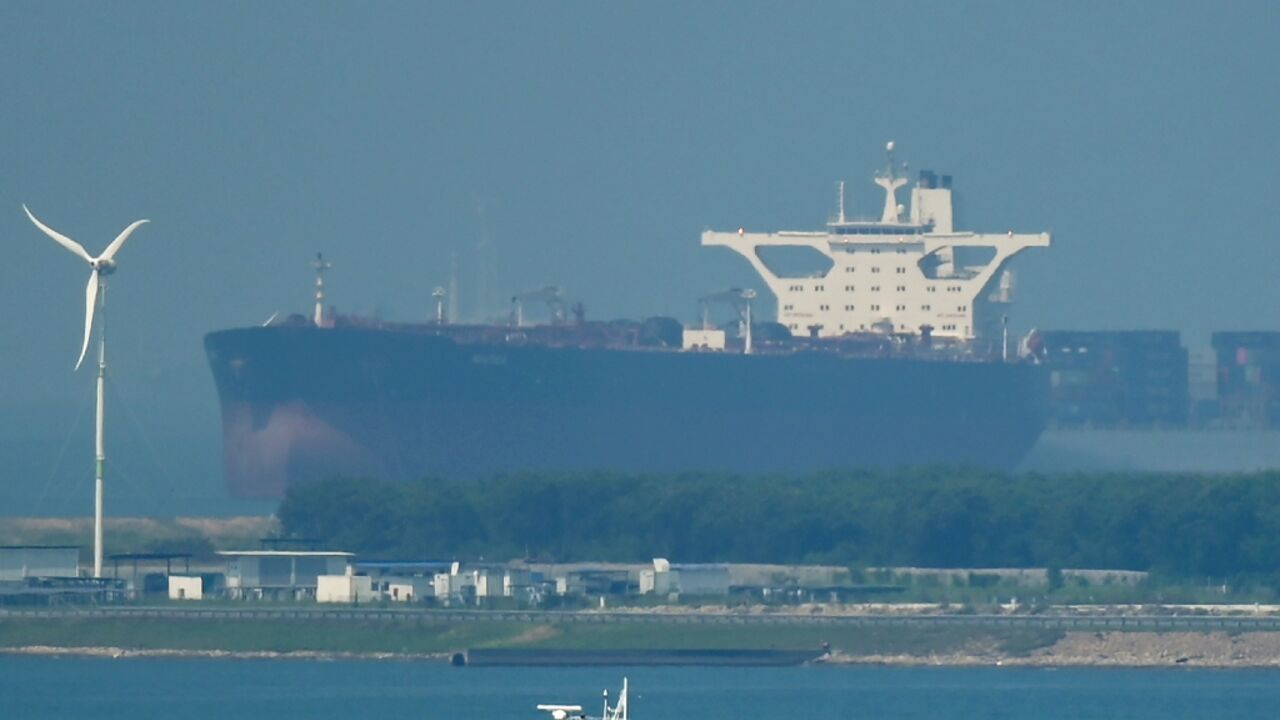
[(888, 350)]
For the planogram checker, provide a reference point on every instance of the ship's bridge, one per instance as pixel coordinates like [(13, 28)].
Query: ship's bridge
[(875, 228), (903, 273)]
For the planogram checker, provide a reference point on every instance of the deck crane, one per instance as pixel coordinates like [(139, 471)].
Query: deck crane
[(740, 300), (731, 297)]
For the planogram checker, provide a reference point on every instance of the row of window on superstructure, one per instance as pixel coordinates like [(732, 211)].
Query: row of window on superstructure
[(863, 326), (854, 250), (881, 230), (874, 288), (851, 308)]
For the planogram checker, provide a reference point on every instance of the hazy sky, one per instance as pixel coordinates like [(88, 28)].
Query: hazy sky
[(591, 143)]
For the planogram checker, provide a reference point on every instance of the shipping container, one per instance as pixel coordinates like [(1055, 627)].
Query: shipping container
[(1105, 379), (1248, 378)]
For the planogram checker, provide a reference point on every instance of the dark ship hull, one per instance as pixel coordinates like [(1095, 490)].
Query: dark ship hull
[(302, 403)]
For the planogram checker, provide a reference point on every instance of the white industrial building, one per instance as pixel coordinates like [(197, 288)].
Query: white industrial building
[(346, 588), (472, 584), (186, 587), (488, 583), (454, 587), (571, 584), (407, 589), (686, 579), (517, 583)]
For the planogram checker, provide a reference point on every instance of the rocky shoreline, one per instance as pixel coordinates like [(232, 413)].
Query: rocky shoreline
[(1105, 649), (1073, 649)]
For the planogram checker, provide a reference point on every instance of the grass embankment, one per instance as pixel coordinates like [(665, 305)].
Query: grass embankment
[(197, 536), (412, 638)]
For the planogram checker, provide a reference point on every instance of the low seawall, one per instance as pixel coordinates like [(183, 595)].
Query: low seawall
[(528, 657)]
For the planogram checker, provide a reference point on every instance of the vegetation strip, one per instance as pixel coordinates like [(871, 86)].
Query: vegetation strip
[(1215, 530)]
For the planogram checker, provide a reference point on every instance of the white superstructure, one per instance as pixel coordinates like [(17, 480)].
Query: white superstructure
[(906, 273), (617, 711)]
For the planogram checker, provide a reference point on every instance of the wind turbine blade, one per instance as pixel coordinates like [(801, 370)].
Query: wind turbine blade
[(90, 305), (114, 247), (61, 239)]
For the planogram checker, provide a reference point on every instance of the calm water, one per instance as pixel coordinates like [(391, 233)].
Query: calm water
[(249, 690)]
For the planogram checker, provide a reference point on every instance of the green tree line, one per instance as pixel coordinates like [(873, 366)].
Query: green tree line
[(1182, 525)]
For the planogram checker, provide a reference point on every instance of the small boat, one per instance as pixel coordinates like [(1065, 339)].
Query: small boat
[(618, 711)]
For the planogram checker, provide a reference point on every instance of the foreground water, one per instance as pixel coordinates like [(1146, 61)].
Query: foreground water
[(39, 687)]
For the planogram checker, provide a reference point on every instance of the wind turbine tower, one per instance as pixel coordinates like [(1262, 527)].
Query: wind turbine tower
[(320, 264), (95, 299)]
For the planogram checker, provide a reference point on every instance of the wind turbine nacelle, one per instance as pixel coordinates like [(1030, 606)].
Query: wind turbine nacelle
[(104, 266)]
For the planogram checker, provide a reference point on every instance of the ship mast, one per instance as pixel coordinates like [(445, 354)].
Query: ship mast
[(890, 183)]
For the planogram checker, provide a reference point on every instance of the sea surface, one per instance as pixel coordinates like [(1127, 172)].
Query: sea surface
[(41, 687)]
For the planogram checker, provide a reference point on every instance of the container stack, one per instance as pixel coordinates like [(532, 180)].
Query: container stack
[(1116, 379), (1248, 378)]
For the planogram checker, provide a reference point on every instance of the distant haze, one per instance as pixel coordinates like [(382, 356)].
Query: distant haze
[(585, 145)]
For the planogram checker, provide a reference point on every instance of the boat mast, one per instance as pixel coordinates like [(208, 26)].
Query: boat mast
[(619, 711)]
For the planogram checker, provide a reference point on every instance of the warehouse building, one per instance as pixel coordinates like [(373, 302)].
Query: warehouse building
[(18, 562), (281, 574), (50, 574), (406, 581)]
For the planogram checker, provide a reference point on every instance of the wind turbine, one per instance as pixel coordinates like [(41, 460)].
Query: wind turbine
[(95, 297)]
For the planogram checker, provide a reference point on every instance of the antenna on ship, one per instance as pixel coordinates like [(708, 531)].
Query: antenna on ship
[(320, 265), (841, 204), (747, 296), (1004, 339), (95, 303)]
